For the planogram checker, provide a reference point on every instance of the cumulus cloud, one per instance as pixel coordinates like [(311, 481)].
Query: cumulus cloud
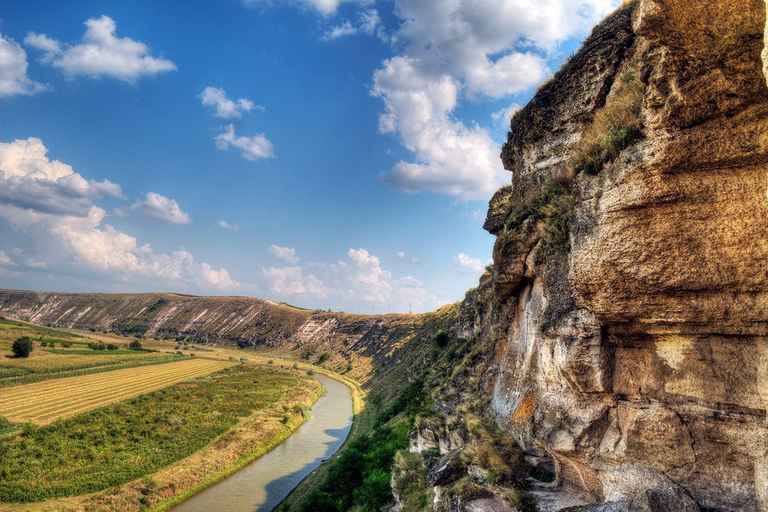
[(291, 281), (401, 256), (101, 53), (253, 148), (465, 264), (225, 107), (473, 48), (158, 207), (30, 180), (13, 71), (52, 211), (6, 260), (226, 225), (324, 7), (503, 117), (359, 279), (367, 23), (287, 254)]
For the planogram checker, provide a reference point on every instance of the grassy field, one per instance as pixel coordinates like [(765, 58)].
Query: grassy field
[(14, 372), (124, 442), (47, 401)]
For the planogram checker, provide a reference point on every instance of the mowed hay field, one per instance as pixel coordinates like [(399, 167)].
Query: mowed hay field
[(47, 401)]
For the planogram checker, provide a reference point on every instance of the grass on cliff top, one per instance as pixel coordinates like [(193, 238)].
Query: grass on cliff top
[(550, 209), (615, 127), (129, 440)]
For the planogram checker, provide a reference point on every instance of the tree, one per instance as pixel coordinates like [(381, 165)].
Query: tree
[(135, 345), (22, 347)]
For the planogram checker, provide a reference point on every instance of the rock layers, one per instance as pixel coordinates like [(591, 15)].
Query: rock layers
[(635, 353)]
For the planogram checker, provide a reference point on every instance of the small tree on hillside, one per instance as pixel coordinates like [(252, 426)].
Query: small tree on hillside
[(22, 347), (135, 345)]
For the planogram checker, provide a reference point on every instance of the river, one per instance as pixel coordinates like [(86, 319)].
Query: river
[(262, 484)]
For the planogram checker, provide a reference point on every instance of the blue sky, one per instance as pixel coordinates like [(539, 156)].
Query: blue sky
[(326, 153)]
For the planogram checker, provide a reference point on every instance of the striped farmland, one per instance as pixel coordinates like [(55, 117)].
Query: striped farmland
[(47, 401)]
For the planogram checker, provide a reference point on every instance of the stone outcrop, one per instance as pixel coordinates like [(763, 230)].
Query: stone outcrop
[(359, 342), (635, 354)]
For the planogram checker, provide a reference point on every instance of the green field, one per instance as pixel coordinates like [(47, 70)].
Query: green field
[(112, 445), (47, 401)]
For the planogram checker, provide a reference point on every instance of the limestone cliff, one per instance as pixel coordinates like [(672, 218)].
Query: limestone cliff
[(354, 343), (629, 304)]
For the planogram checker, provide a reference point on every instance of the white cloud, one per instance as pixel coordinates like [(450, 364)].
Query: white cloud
[(253, 148), (503, 117), (287, 254), (159, 207), (476, 48), (358, 279), (324, 7), (6, 260), (225, 107), (29, 180), (65, 238), (226, 225), (101, 53), (290, 281), (367, 23), (465, 264), (13, 71)]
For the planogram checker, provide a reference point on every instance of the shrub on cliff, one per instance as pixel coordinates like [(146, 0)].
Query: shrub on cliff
[(551, 210), (22, 347), (615, 127)]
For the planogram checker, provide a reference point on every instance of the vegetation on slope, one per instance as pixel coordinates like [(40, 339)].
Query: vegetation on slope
[(119, 443), (615, 127)]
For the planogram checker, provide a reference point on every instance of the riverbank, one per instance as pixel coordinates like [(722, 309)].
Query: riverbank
[(249, 439), (261, 485)]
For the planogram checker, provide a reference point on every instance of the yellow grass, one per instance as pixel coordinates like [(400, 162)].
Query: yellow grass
[(47, 401)]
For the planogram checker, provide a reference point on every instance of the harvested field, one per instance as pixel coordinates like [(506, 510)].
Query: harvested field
[(47, 401)]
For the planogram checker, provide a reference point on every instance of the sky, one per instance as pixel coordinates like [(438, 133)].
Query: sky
[(331, 154)]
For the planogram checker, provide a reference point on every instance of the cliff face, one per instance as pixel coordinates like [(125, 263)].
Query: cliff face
[(630, 277)]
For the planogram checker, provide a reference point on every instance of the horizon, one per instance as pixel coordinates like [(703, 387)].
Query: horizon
[(333, 154)]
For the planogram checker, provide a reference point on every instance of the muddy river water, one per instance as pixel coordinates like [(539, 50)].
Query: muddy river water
[(262, 484)]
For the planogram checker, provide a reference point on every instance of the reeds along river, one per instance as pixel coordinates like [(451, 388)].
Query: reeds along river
[(261, 485)]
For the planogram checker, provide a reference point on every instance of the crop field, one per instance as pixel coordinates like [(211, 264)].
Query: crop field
[(47, 401), (121, 442), (67, 362)]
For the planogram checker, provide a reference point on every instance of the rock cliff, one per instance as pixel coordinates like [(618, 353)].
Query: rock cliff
[(355, 344), (621, 337), (628, 300)]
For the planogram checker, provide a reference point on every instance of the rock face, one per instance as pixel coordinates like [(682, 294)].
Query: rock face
[(361, 341), (635, 354)]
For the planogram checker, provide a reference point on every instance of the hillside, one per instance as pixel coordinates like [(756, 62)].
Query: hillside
[(614, 358), (354, 343), (627, 307)]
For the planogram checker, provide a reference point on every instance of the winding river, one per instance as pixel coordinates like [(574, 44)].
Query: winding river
[(262, 484)]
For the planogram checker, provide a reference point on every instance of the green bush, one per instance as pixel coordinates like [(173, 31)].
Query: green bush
[(550, 208), (22, 347), (441, 339), (323, 357), (615, 127), (135, 345)]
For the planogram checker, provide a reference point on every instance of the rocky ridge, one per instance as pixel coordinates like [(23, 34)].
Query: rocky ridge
[(354, 343), (627, 308)]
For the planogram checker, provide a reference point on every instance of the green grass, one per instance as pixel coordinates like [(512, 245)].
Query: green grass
[(550, 209), (360, 477), (129, 440), (14, 372), (615, 127)]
